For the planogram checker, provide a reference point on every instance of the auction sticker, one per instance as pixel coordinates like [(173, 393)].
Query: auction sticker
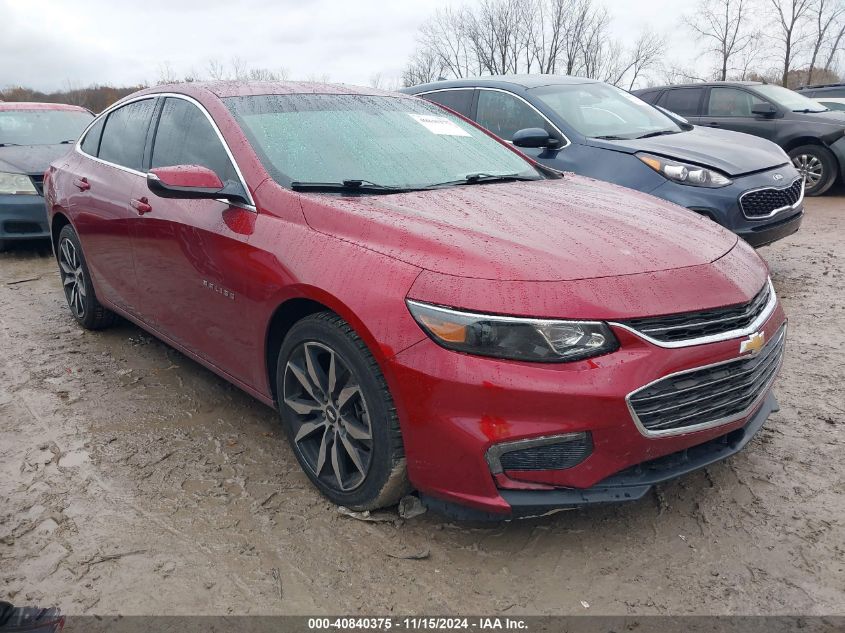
[(439, 125)]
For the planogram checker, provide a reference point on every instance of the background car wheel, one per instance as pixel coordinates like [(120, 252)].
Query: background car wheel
[(339, 414), (818, 166), (4, 245), (76, 280)]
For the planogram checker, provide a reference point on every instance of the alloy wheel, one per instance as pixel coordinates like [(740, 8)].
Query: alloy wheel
[(810, 167), (331, 423), (73, 277)]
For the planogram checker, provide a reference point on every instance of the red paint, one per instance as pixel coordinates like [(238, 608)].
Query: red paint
[(188, 176), (6, 106), (572, 248)]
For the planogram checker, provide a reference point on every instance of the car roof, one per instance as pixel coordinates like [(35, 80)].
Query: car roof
[(31, 105), (503, 81), (822, 86), (700, 84), (224, 89)]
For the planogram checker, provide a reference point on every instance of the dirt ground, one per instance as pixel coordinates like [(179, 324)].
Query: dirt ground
[(134, 481)]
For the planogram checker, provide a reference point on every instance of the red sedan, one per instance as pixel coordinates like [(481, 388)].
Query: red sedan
[(427, 308)]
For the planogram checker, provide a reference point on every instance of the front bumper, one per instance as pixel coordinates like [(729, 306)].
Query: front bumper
[(23, 217), (455, 407), (722, 205)]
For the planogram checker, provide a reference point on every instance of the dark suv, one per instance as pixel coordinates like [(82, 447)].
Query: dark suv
[(809, 132), (594, 129)]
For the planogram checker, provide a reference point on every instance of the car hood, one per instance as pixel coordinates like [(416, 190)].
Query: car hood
[(707, 147), (30, 159), (567, 229), (832, 117)]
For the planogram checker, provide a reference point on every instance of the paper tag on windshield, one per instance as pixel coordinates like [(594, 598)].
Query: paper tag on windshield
[(439, 125)]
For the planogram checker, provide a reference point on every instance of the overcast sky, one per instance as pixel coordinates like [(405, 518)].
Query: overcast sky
[(45, 44)]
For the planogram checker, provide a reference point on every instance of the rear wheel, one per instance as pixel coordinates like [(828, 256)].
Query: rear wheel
[(818, 166), (339, 414), (76, 280)]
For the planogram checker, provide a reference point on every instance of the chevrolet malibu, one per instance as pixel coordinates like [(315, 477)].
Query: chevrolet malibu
[(427, 308)]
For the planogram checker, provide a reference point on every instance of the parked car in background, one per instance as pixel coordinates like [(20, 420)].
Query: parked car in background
[(31, 136), (808, 131), (598, 130), (829, 95), (426, 307)]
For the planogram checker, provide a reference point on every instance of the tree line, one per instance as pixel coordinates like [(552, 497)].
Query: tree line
[(790, 42)]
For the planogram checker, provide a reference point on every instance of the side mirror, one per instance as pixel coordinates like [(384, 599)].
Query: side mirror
[(534, 137), (192, 182), (764, 109)]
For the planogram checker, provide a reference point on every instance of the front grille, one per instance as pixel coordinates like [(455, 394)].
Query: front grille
[(685, 326), (550, 456), (38, 181), (18, 227), (708, 396), (763, 203)]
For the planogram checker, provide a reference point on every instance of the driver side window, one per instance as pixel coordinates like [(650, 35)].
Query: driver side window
[(185, 137), (504, 115), (730, 102)]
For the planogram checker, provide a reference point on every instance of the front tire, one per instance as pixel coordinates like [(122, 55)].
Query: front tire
[(818, 166), (76, 281), (339, 414)]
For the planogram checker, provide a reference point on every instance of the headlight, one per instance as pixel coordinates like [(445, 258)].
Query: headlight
[(684, 173), (16, 184), (514, 338)]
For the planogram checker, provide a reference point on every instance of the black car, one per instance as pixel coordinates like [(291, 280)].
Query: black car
[(594, 129), (32, 135), (809, 132)]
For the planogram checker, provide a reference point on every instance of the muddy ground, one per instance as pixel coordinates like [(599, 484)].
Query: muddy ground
[(134, 481)]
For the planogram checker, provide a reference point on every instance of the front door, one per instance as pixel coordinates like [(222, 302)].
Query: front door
[(191, 254)]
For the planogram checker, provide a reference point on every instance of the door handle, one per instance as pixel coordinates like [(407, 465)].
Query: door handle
[(141, 205), (713, 124), (81, 184)]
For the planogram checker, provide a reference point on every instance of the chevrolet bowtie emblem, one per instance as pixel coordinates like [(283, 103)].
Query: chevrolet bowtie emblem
[(753, 343)]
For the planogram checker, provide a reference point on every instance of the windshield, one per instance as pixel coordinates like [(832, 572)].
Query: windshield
[(599, 110), (42, 127), (404, 143), (789, 99)]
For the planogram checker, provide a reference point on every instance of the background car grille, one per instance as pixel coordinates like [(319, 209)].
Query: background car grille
[(690, 325), (705, 396), (550, 456), (763, 202), (38, 181)]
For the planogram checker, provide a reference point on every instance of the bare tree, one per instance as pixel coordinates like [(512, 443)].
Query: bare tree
[(789, 18), (724, 27), (216, 70), (423, 67), (827, 14), (836, 45)]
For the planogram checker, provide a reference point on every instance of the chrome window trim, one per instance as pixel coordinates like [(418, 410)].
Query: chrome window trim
[(566, 140), (495, 452), (780, 337), (78, 146), (776, 211), (712, 338)]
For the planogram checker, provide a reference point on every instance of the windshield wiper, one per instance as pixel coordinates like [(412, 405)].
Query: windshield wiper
[(612, 137), (476, 179), (808, 111), (361, 186), (10, 145), (68, 142), (658, 133)]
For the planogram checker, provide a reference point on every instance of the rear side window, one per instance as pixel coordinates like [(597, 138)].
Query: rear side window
[(457, 100), (683, 101), (91, 143), (124, 134), (504, 114), (649, 96), (185, 137)]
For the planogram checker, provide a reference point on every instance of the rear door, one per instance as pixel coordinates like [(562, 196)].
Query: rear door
[(192, 257), (103, 180), (730, 108)]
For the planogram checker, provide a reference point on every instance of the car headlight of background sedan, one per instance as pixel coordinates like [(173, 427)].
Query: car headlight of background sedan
[(684, 173), (16, 184), (537, 340)]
